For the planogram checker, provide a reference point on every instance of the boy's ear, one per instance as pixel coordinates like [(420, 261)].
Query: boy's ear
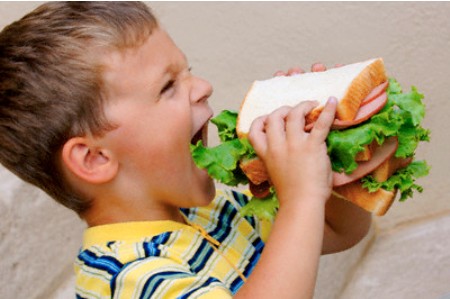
[(88, 162)]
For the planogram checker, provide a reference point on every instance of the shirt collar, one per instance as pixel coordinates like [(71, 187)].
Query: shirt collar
[(127, 231)]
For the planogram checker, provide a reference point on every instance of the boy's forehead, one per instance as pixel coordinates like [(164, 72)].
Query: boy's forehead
[(158, 47), (151, 61)]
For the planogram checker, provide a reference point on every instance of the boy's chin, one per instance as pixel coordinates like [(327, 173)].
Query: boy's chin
[(207, 192), (205, 187), (210, 189)]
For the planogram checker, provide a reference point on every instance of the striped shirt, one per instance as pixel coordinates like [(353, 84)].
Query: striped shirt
[(210, 258)]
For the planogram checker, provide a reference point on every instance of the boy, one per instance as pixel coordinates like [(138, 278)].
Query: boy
[(99, 108)]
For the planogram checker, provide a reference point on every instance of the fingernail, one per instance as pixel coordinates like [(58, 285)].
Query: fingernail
[(332, 100)]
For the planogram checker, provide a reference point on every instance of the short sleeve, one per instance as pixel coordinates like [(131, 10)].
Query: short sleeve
[(163, 278)]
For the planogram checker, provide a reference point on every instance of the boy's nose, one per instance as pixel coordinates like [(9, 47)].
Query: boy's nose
[(201, 90)]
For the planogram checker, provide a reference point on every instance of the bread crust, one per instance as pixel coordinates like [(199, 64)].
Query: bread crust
[(389, 167), (377, 202), (255, 170), (372, 76), (366, 154)]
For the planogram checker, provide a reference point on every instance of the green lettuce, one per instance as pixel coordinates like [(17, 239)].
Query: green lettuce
[(403, 180), (221, 161), (262, 208)]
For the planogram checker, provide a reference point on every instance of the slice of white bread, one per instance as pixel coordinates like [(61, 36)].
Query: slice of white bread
[(377, 202), (350, 84)]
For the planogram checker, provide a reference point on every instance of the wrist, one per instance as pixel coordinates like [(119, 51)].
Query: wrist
[(300, 206), (295, 198)]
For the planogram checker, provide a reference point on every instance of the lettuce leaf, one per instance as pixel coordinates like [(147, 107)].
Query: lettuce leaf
[(262, 208), (221, 161), (403, 180), (226, 125)]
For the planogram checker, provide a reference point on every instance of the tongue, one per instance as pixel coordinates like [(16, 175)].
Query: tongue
[(197, 137)]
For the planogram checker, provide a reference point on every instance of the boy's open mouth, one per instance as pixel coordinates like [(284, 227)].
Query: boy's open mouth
[(201, 135)]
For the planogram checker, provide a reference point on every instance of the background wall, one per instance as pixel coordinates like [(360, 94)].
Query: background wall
[(233, 43)]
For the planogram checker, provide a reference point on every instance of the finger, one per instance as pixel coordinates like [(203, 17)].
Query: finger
[(295, 121), (338, 65), (295, 71), (257, 135), (275, 125), (279, 74), (318, 67), (322, 126)]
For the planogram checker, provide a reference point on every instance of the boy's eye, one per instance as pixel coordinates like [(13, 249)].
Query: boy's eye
[(168, 86)]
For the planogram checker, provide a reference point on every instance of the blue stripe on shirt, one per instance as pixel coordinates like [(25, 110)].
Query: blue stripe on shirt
[(151, 248), (105, 263), (207, 283), (201, 257), (154, 281), (223, 228), (242, 200)]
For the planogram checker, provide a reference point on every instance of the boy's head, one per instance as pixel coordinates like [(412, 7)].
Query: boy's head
[(51, 86)]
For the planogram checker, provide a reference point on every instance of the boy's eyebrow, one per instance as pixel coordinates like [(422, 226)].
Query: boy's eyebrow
[(175, 67)]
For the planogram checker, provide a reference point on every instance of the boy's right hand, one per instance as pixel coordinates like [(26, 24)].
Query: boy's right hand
[(297, 161)]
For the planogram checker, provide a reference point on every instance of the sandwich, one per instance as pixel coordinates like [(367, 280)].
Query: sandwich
[(371, 144)]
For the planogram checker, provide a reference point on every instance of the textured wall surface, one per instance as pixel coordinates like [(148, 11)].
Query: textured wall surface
[(406, 255)]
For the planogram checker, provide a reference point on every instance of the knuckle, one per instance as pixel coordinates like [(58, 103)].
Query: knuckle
[(277, 114), (318, 67), (320, 125)]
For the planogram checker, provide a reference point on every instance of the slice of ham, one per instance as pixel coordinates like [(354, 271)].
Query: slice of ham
[(260, 191), (380, 155), (364, 113), (375, 93), (370, 106)]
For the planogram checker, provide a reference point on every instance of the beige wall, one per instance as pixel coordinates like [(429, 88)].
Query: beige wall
[(231, 44)]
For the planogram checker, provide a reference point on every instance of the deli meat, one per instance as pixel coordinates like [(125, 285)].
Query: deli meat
[(380, 155), (375, 93), (370, 106), (364, 113)]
